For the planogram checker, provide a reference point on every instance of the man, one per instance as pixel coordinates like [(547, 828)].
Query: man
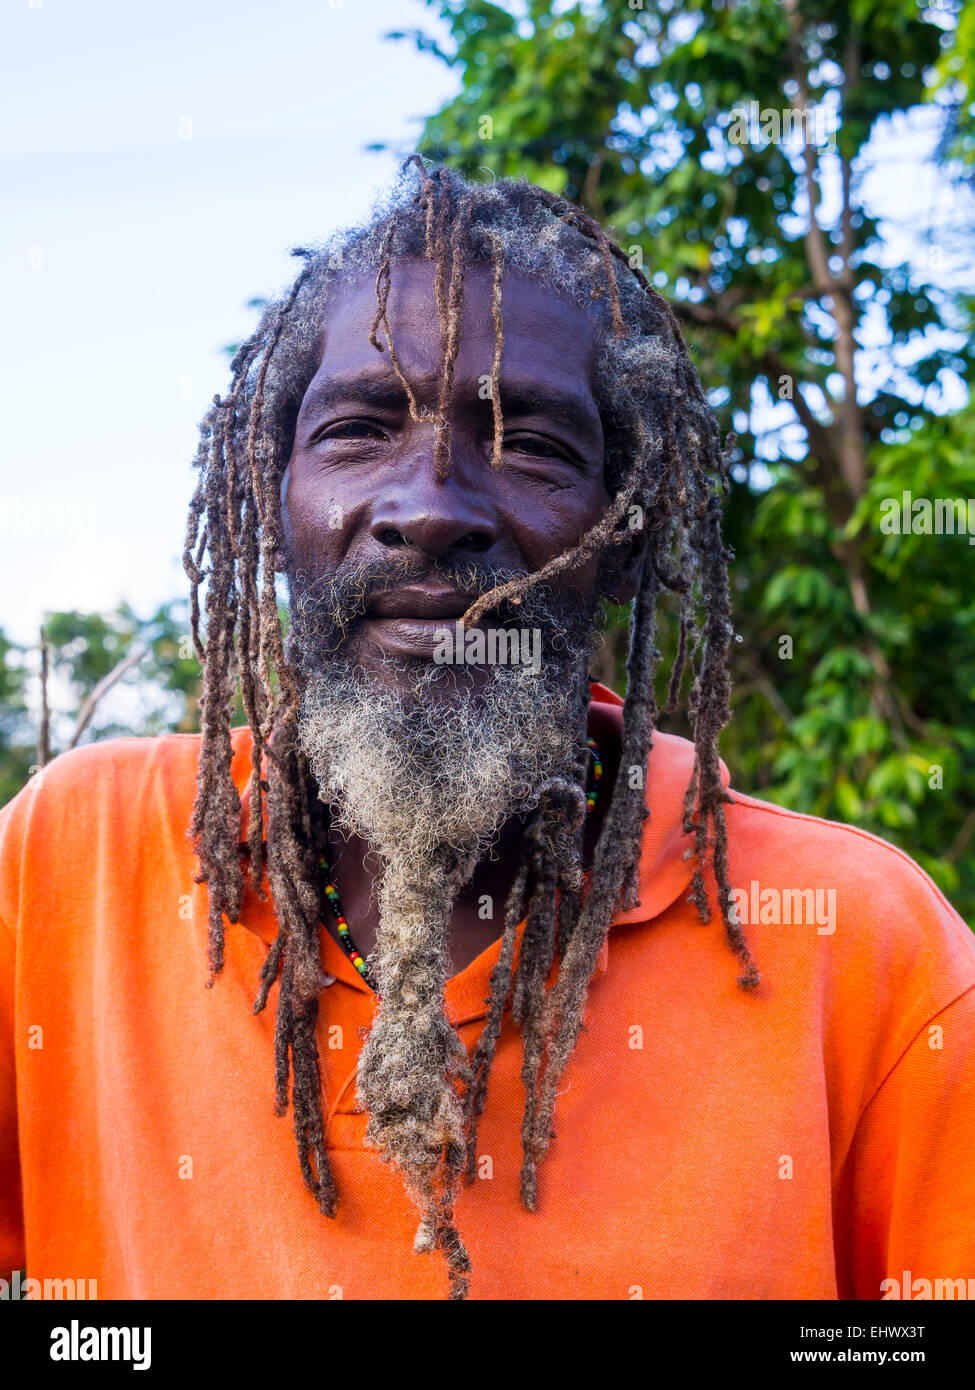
[(519, 1065)]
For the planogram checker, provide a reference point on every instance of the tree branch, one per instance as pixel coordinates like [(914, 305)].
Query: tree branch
[(44, 737), (102, 688), (820, 443)]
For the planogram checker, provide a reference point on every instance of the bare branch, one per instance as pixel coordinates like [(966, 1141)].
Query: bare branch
[(44, 737), (102, 688), (820, 443), (962, 838)]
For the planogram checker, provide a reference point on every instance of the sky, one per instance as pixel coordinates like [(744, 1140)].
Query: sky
[(159, 162)]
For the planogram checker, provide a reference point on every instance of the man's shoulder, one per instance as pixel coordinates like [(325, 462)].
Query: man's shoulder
[(828, 853), (107, 797), (108, 768), (862, 907), (120, 763)]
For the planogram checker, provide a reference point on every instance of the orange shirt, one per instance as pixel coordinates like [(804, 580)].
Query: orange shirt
[(807, 1140)]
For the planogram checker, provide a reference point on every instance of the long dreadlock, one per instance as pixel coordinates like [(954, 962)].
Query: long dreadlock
[(665, 466)]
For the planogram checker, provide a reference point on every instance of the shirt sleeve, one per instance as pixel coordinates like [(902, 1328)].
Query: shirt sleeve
[(11, 1206), (13, 818), (906, 1201)]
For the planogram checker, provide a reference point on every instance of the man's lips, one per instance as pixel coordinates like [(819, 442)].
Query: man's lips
[(408, 636), (420, 602), (411, 621)]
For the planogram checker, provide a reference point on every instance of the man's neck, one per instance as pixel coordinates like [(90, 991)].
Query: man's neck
[(478, 916)]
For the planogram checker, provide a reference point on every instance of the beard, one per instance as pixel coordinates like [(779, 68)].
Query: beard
[(426, 766)]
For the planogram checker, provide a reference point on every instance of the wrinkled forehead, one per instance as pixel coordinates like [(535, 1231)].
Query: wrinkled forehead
[(541, 335)]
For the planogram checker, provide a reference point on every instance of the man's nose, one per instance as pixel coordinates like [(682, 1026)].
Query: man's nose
[(437, 518)]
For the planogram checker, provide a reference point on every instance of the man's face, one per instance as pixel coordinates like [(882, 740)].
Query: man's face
[(361, 486)]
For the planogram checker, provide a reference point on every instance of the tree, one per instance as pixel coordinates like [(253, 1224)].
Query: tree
[(727, 144), (17, 739), (955, 90)]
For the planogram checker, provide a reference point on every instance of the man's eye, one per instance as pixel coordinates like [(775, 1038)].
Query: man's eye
[(534, 445), (348, 429)]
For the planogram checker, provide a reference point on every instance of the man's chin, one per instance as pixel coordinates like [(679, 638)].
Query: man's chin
[(415, 756), (407, 639)]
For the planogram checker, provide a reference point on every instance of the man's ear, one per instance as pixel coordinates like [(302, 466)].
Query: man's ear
[(623, 565)]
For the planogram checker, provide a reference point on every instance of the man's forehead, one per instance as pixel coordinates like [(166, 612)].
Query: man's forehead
[(544, 334), (414, 280)]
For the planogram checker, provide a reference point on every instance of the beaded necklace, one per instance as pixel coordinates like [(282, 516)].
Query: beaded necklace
[(331, 892)]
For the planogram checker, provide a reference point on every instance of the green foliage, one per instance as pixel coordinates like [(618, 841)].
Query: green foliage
[(159, 692), (632, 112), (956, 88), (16, 753), (163, 686)]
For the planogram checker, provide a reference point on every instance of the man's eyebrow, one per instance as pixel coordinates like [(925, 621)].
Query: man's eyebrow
[(383, 393), (571, 408)]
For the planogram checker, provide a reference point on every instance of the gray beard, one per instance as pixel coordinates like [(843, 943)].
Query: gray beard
[(431, 768), (430, 765), (426, 771)]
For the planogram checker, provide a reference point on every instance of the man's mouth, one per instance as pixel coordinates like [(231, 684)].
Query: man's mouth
[(420, 602), (411, 621)]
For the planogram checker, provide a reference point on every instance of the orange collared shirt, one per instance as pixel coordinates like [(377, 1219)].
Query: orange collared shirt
[(810, 1139)]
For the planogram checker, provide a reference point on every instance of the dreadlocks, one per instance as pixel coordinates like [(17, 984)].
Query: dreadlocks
[(666, 472)]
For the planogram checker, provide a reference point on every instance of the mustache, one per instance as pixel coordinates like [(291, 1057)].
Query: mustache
[(331, 606)]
